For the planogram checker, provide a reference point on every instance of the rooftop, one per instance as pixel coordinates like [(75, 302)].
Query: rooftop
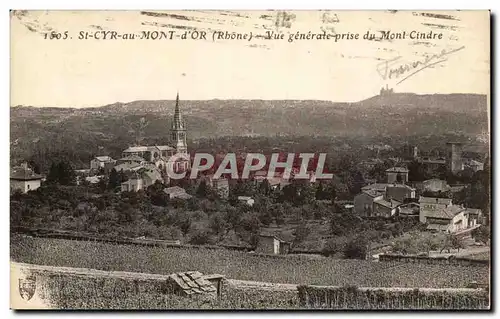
[(376, 187), (193, 283), (103, 158), (372, 193), (445, 213), (134, 149), (135, 158), (165, 147), (397, 170), (174, 190), (244, 198), (434, 200), (24, 174), (389, 204)]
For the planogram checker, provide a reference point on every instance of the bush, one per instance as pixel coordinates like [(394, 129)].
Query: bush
[(356, 248), (200, 237), (333, 246)]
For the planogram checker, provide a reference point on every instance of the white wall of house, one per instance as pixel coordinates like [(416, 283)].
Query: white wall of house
[(25, 186), (132, 185), (459, 222)]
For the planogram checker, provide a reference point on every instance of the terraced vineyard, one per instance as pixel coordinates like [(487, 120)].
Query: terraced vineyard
[(241, 265)]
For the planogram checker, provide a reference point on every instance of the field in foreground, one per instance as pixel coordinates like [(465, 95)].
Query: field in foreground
[(240, 265)]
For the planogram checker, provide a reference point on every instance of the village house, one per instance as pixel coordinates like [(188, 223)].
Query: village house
[(397, 175), (409, 210), (473, 165), (176, 192), (382, 199), (99, 162), (429, 205), (133, 184), (141, 178), (363, 202), (271, 244), (440, 214), (450, 219), (24, 179), (400, 192), (221, 187), (246, 200), (434, 185), (385, 208)]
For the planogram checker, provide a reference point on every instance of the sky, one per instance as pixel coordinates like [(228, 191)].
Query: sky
[(74, 72)]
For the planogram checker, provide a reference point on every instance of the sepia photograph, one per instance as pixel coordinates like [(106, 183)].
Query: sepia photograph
[(250, 160)]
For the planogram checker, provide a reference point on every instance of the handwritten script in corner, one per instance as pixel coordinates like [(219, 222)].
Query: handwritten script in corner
[(397, 67)]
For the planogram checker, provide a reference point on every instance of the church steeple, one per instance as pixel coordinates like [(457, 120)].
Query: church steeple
[(178, 122), (178, 131)]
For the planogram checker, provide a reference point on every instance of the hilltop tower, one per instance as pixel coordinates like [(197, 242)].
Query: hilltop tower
[(178, 130)]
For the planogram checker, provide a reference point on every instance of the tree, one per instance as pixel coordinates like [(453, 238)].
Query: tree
[(264, 187), (203, 189), (453, 242), (114, 179), (218, 224), (481, 234), (200, 237), (61, 173), (356, 248), (301, 232)]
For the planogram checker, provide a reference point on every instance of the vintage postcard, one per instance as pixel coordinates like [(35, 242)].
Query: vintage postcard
[(250, 160)]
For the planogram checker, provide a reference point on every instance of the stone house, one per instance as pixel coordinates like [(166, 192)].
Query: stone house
[(246, 200), (397, 175), (271, 244), (428, 205), (176, 192), (450, 219), (385, 208), (221, 187), (99, 162), (400, 192), (24, 179), (363, 202)]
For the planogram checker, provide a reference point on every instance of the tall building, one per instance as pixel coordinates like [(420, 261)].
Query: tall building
[(454, 158), (178, 130), (139, 156)]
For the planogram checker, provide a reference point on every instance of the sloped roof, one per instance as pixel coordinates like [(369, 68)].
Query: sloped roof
[(192, 283), (164, 147), (126, 166), (24, 174), (270, 235), (434, 200), (473, 211), (136, 158), (244, 198), (103, 158), (174, 190), (389, 204), (401, 186), (445, 213), (372, 193), (398, 170), (134, 149), (183, 196), (376, 187)]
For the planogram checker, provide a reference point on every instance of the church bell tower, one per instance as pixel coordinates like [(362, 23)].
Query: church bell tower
[(178, 130)]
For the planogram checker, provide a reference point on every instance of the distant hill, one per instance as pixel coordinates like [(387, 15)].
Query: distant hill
[(115, 125)]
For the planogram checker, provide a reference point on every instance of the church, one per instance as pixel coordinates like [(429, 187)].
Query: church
[(138, 156)]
